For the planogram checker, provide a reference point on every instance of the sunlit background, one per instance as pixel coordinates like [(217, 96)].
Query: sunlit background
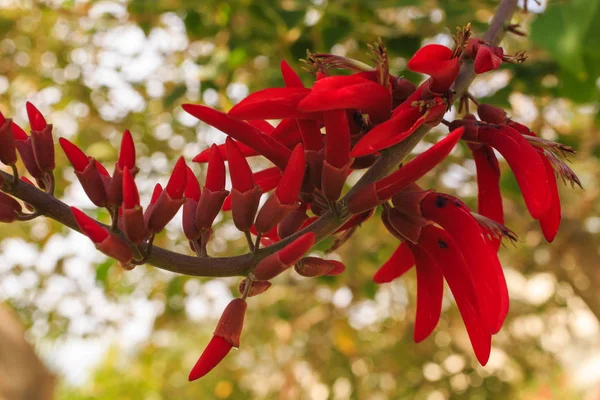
[(96, 68)]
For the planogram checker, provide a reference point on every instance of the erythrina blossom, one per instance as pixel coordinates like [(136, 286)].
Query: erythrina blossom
[(364, 119)]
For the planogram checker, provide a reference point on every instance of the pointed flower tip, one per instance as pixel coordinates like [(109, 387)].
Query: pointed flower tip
[(36, 119), (89, 226), (156, 193), (239, 170), (177, 182), (18, 132), (192, 186), (131, 197), (215, 176), (291, 181), (295, 250), (76, 156), (127, 153), (214, 353)]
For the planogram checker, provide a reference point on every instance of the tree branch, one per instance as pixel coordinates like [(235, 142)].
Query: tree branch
[(323, 227)]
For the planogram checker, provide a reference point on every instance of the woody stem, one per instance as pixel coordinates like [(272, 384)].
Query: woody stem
[(323, 227)]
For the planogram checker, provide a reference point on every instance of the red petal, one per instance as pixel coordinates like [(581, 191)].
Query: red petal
[(290, 77), (430, 290), (525, 163), (289, 186), (18, 132), (192, 186), (243, 132), (267, 179), (418, 166), (390, 132), (440, 246), (36, 119), (311, 134), (272, 103), (551, 221), (294, 251), (156, 193), (338, 138), (89, 226), (215, 176), (2, 119), (76, 157), (131, 197), (349, 92), (401, 261), (239, 170), (102, 169), (204, 155), (482, 260), (216, 351), (489, 198), (262, 125), (177, 182), (485, 60), (127, 153), (435, 60)]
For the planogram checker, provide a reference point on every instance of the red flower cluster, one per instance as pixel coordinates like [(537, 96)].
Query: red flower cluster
[(339, 125)]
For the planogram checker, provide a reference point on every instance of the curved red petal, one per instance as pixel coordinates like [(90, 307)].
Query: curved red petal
[(192, 186), (551, 221), (418, 166), (482, 260), (430, 290), (389, 133), (239, 170), (310, 133), (525, 163), (177, 182), (215, 175), (440, 246), (485, 60), (272, 103), (156, 193), (242, 132), (214, 353), (127, 152), (338, 138), (18, 132), (489, 198), (36, 119), (291, 181), (294, 251), (76, 156), (89, 226), (290, 77), (131, 197), (400, 262)]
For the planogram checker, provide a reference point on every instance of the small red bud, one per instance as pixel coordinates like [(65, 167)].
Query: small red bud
[(177, 182), (239, 170), (215, 352), (127, 152), (289, 186), (192, 186), (215, 176), (36, 119), (131, 197), (76, 156)]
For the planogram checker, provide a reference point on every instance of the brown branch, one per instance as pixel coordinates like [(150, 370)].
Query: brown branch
[(323, 227)]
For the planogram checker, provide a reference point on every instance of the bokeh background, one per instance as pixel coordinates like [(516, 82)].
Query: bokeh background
[(96, 68)]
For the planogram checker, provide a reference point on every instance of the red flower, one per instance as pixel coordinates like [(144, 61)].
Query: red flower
[(439, 62), (227, 335), (41, 139), (8, 151)]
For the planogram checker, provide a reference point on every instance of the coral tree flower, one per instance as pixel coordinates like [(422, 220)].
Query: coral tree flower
[(226, 335)]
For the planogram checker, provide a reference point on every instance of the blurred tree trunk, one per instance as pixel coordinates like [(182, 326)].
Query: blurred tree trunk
[(22, 374)]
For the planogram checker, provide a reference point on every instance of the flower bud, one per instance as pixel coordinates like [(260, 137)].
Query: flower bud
[(41, 139), (258, 287), (9, 208), (313, 267), (8, 152)]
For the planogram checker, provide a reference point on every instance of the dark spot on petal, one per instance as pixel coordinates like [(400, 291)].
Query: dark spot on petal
[(457, 203), (440, 201), (442, 244)]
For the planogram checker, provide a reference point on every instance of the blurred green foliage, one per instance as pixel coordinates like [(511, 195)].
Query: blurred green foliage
[(97, 68)]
